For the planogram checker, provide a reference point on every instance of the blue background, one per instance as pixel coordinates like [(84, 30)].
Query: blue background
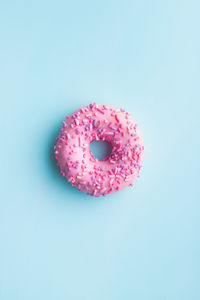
[(141, 243)]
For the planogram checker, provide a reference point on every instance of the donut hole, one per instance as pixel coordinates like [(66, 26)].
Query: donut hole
[(100, 149)]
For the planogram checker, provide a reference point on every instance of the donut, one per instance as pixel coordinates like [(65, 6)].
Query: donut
[(101, 123)]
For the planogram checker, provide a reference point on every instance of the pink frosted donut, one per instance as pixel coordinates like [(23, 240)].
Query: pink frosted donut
[(76, 161)]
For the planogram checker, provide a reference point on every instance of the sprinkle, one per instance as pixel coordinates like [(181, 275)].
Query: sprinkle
[(88, 115), (117, 119), (99, 110), (76, 122), (93, 105), (111, 181), (112, 161)]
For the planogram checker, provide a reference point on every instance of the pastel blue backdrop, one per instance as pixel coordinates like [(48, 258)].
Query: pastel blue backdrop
[(142, 243)]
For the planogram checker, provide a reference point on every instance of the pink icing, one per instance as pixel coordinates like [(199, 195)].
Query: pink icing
[(76, 161)]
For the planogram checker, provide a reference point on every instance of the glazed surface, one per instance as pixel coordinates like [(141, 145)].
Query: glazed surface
[(76, 161)]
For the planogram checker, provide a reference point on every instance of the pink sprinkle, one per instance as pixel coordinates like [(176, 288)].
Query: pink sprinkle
[(76, 121), (122, 175), (100, 111), (116, 169), (62, 139), (116, 118), (112, 161), (94, 105), (88, 115), (79, 142)]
